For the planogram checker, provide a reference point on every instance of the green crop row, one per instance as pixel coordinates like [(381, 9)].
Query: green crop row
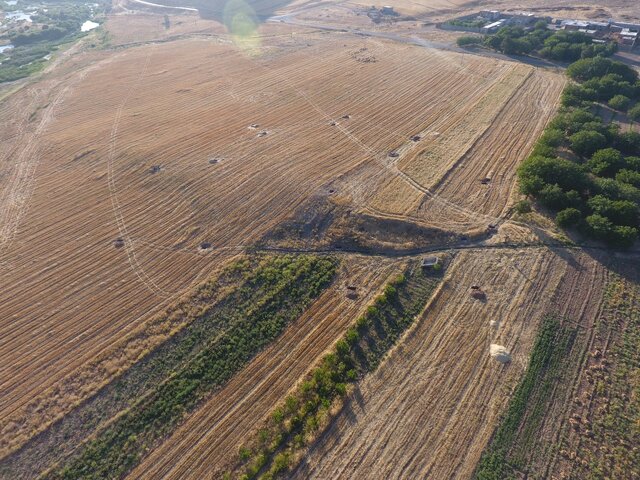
[(278, 293), (294, 424), (525, 413)]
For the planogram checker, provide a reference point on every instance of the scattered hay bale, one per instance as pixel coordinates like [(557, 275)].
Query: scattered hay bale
[(478, 293), (499, 353)]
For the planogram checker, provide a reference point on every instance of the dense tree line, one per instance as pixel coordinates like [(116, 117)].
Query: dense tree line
[(566, 46), (584, 170)]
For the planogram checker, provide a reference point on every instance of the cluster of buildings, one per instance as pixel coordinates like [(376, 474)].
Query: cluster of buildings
[(377, 15), (499, 20), (621, 32), (627, 34)]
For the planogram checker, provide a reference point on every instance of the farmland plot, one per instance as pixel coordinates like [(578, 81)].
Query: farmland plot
[(431, 409), (209, 439), (164, 161)]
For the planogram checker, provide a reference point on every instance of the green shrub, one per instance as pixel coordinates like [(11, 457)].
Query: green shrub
[(523, 206), (569, 217), (634, 113), (468, 40), (620, 102)]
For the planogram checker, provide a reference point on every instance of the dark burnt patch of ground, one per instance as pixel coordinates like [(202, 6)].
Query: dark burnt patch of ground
[(325, 223)]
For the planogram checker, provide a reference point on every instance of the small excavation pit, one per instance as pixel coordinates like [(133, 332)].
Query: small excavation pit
[(333, 123), (118, 242), (253, 126), (263, 133), (485, 181), (214, 161), (155, 168), (346, 117), (477, 293), (352, 293), (331, 191), (394, 154), (416, 138), (205, 246)]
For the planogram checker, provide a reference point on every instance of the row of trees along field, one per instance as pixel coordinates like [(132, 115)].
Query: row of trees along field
[(305, 413), (565, 46), (583, 169)]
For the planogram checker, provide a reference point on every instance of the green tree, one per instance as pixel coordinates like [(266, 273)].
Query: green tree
[(634, 113), (552, 196), (569, 217), (585, 142), (605, 162), (619, 102), (628, 142), (624, 236), (588, 68), (599, 226), (629, 176)]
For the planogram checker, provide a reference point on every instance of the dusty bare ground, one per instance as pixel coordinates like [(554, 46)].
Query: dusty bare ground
[(142, 27), (431, 408), (210, 438)]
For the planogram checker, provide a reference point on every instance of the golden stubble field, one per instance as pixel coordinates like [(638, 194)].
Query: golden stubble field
[(431, 408), (132, 175)]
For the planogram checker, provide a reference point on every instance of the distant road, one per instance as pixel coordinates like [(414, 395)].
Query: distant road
[(413, 40)]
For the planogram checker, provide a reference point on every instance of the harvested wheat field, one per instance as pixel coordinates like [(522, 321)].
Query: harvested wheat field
[(293, 246), (146, 183), (430, 410), (462, 168), (208, 440)]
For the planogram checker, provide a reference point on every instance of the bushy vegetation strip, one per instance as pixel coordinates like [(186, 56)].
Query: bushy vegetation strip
[(585, 171), (306, 412), (271, 297), (518, 428), (561, 45)]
